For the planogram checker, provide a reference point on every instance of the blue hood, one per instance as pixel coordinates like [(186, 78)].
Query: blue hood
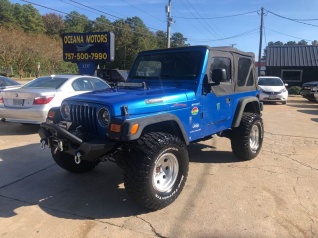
[(138, 101)]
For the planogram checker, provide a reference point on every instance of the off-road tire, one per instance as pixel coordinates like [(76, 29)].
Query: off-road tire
[(247, 138), (67, 162), (156, 169)]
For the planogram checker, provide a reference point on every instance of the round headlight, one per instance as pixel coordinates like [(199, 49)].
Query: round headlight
[(104, 117), (65, 111)]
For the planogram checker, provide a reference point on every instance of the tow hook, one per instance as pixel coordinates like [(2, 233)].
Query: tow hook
[(43, 142), (77, 157)]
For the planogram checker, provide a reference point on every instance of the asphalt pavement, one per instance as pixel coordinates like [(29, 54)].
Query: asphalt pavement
[(273, 195)]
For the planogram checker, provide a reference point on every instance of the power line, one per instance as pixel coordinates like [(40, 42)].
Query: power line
[(55, 10), (249, 32), (103, 12), (287, 35), (209, 18), (290, 19), (214, 26), (142, 11)]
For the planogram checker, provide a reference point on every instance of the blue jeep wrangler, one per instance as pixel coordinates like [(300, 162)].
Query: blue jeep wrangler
[(172, 97)]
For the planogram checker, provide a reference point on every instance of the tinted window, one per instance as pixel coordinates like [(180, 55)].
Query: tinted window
[(168, 65), (245, 72), (46, 82), (82, 84), (7, 82), (270, 82), (99, 84), (222, 63)]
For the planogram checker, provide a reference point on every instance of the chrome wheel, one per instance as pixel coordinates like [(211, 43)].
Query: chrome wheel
[(165, 172), (254, 138)]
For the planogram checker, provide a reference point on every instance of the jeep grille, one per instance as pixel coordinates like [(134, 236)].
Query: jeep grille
[(86, 116)]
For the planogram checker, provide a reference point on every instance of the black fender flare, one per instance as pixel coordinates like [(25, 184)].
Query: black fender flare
[(256, 107), (147, 121)]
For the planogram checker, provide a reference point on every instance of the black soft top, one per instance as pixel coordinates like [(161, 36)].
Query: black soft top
[(188, 48)]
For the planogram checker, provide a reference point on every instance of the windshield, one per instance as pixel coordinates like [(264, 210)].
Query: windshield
[(7, 82), (46, 82), (270, 82), (168, 65)]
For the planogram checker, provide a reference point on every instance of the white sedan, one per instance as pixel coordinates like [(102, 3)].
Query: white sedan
[(272, 89), (31, 102)]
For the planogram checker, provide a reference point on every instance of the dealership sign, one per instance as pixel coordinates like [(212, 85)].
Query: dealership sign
[(89, 47)]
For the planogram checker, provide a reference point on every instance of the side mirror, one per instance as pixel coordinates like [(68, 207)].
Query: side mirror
[(286, 84), (218, 76)]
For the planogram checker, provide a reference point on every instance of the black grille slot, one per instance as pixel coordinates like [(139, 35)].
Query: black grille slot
[(85, 116)]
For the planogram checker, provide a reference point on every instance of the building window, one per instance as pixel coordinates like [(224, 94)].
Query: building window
[(292, 75)]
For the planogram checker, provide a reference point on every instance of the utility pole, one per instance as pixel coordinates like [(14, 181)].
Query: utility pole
[(260, 43), (169, 21)]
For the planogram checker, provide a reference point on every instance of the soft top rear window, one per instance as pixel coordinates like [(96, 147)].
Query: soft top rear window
[(168, 65), (46, 82)]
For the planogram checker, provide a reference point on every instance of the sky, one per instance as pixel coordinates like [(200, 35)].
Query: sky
[(206, 22)]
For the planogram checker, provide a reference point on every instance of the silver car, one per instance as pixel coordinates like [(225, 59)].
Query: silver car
[(6, 83), (31, 102)]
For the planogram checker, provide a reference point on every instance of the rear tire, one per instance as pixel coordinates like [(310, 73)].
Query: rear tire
[(247, 139), (156, 168), (67, 162)]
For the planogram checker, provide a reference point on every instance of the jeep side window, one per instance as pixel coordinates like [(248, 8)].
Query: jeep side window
[(245, 72), (221, 63)]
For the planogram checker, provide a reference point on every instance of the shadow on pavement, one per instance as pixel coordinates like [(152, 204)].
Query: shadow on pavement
[(311, 112), (201, 153), (30, 177), (12, 128), (30, 180)]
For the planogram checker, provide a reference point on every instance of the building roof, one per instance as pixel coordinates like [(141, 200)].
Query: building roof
[(293, 55)]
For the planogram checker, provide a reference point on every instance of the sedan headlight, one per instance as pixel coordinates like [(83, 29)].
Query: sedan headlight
[(65, 111), (104, 117), (284, 90)]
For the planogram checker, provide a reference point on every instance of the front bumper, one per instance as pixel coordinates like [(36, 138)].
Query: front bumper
[(58, 138), (275, 97), (308, 94)]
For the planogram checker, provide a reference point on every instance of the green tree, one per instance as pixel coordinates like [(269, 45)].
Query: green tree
[(28, 18), (315, 42), (75, 22), (277, 43), (161, 37), (177, 40), (291, 43), (54, 24), (6, 13), (302, 42), (102, 24)]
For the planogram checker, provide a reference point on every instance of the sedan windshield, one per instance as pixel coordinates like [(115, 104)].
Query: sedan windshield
[(46, 82), (270, 82), (7, 82)]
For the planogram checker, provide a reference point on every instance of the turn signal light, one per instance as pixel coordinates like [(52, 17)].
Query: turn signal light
[(1, 99), (115, 128), (51, 114), (134, 129)]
